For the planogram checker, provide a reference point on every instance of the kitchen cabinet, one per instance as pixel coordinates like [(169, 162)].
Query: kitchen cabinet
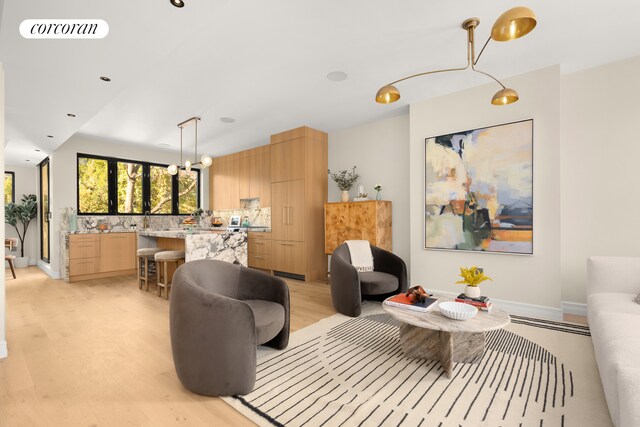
[(287, 214), (259, 255), (242, 175), (288, 160), (264, 159), (117, 251), (249, 174), (369, 220), (298, 192), (288, 257), (96, 255)]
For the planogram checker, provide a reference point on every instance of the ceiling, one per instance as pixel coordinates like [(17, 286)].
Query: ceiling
[(265, 64)]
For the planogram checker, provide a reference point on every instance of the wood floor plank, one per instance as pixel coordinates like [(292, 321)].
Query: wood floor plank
[(99, 353)]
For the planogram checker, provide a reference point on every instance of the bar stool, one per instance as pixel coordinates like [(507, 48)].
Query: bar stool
[(162, 260), (145, 255)]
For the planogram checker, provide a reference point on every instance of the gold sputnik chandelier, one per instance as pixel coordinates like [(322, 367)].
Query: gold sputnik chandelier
[(512, 24)]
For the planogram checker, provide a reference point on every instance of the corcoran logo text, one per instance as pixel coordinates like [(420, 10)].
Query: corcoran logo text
[(64, 29)]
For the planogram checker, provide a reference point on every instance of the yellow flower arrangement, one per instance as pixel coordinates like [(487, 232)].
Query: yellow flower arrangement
[(472, 276)]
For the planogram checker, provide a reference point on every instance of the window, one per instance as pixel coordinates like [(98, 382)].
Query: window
[(93, 185), (109, 186), (161, 190), (187, 191), (129, 188), (9, 187)]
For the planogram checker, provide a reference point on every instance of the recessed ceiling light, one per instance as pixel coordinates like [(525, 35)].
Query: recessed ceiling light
[(37, 150), (105, 79), (27, 160), (49, 136), (337, 76), (227, 120), (71, 115), (177, 3), (164, 144)]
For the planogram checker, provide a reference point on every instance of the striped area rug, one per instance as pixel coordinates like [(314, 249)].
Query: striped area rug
[(352, 372)]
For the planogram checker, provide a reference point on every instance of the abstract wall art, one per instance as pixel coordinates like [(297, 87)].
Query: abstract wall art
[(479, 189)]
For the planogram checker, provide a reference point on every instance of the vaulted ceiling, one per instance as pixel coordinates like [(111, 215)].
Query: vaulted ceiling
[(265, 64)]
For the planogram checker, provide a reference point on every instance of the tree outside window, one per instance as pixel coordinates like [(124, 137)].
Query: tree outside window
[(115, 186), (129, 188), (93, 185), (187, 191)]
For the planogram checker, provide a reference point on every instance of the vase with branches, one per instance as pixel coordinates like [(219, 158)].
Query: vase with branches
[(19, 215), (344, 179)]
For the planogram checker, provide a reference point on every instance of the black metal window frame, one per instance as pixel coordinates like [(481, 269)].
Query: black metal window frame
[(112, 177), (13, 185), (46, 215)]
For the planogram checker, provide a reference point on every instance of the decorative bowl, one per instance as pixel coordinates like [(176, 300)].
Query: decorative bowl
[(457, 310)]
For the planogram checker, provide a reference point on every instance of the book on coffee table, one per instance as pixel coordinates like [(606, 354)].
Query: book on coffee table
[(403, 301)]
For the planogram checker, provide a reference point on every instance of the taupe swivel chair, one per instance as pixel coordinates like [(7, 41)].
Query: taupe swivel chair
[(219, 313), (349, 287)]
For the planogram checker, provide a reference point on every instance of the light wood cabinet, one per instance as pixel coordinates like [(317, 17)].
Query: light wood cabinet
[(117, 251), (370, 220), (101, 255), (264, 157), (288, 202), (259, 250), (288, 160), (298, 192), (242, 175), (288, 257)]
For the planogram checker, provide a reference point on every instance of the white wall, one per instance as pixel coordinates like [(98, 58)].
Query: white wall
[(3, 331), (525, 279), (63, 177), (600, 152), (380, 150), (25, 183)]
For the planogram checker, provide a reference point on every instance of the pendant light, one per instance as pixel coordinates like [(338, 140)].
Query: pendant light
[(205, 161), (512, 24)]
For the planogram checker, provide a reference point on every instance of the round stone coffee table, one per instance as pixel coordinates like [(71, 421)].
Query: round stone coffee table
[(431, 335)]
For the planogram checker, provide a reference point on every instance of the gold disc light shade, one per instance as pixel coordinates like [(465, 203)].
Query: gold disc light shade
[(512, 24), (387, 94)]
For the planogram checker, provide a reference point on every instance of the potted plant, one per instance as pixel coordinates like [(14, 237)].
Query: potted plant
[(22, 213), (344, 180), (472, 277)]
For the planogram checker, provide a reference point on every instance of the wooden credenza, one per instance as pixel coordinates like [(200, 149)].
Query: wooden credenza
[(298, 192), (93, 256), (370, 220)]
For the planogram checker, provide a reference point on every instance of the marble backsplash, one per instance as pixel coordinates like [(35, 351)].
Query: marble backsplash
[(70, 222)]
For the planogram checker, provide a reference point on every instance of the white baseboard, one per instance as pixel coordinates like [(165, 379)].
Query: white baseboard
[(3, 349), (47, 269), (577, 308)]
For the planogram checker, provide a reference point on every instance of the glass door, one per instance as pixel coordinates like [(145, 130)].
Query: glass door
[(45, 215)]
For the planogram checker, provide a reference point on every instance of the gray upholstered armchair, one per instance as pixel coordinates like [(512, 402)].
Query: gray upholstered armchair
[(349, 287), (219, 313)]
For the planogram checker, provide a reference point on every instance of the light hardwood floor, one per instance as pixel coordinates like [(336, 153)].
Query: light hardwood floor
[(97, 353)]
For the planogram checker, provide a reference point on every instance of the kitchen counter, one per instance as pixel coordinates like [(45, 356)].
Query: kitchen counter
[(230, 246)]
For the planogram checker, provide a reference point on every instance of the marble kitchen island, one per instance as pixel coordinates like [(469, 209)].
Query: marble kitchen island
[(223, 245), (229, 246)]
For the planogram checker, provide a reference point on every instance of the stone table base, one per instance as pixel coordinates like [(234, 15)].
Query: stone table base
[(447, 347)]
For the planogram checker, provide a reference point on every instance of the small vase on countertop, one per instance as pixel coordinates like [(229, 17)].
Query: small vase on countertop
[(345, 196), (378, 196)]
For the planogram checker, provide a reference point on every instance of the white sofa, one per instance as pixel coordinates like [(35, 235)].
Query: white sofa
[(614, 320)]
